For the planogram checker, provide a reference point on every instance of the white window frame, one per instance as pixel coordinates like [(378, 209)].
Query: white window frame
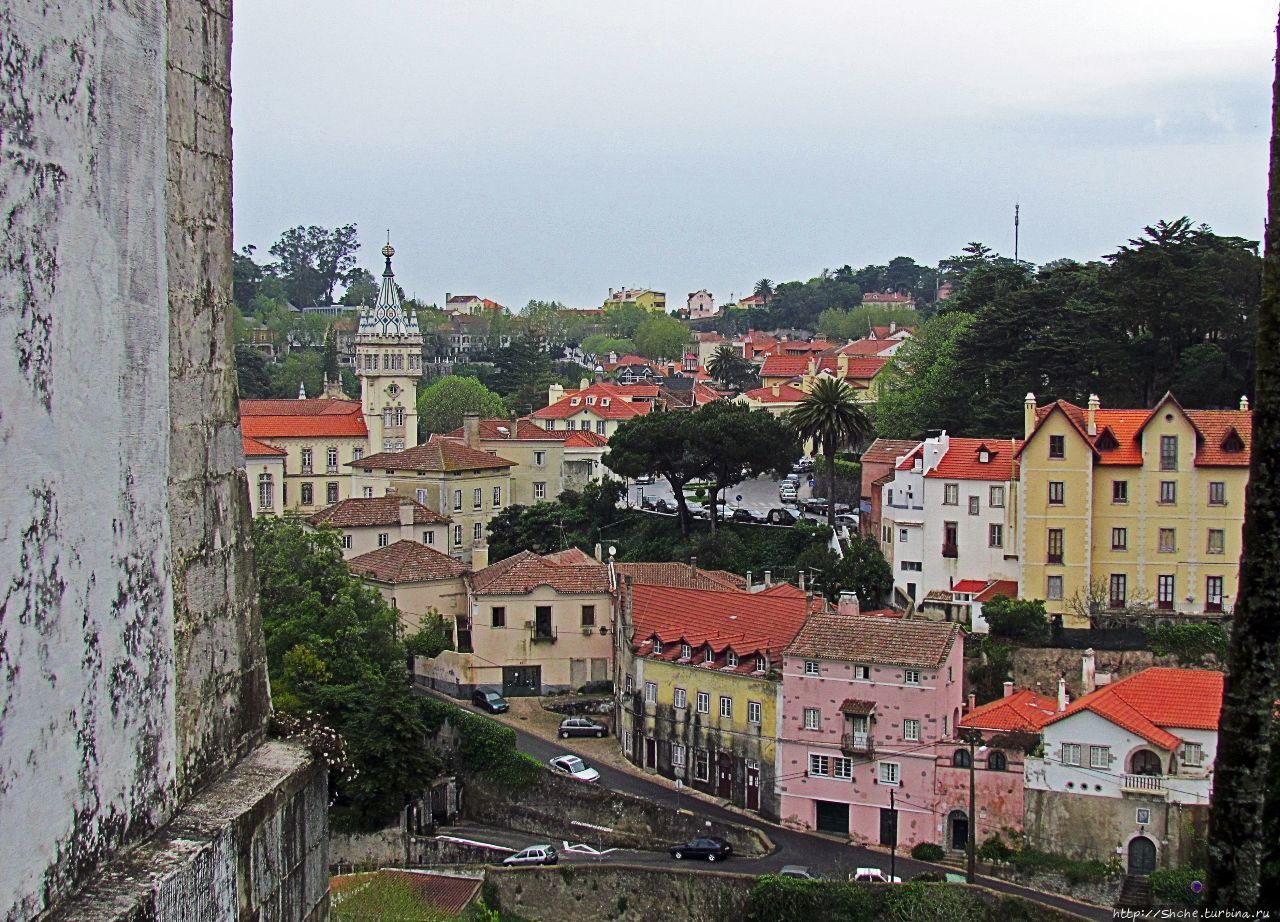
[(477, 498), (680, 698), (731, 659), (477, 531), (677, 755), (497, 497), (701, 765), (457, 500), (428, 537), (384, 538), (813, 718), (762, 664), (726, 707), (911, 729), (889, 773), (686, 651), (1071, 754), (346, 542), (811, 667), (540, 490), (819, 765), (704, 702), (629, 684), (755, 712), (842, 768), (1184, 755), (911, 676), (457, 536), (1051, 593), (861, 672), (975, 505), (650, 692), (539, 458), (951, 494), (996, 498), (1100, 757)]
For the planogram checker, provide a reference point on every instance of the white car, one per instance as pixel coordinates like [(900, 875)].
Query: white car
[(873, 876), (574, 768), (534, 854)]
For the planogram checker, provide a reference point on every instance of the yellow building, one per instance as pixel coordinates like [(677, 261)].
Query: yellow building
[(264, 466), (650, 300), (467, 485), (862, 373), (416, 580), (539, 457), (698, 683), (1132, 508)]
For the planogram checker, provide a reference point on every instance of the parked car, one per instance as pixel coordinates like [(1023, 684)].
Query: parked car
[(793, 478), (848, 521), (645, 478), (696, 510), (490, 701), (843, 509), (787, 492), (873, 876), (710, 847), (798, 871), (534, 854), (817, 506), (648, 502), (744, 515), (574, 767), (780, 517), (664, 506), (804, 465), (581, 726)]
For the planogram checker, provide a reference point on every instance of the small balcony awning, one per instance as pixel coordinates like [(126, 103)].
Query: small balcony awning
[(857, 706)]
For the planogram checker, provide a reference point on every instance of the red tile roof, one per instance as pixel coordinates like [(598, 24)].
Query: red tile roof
[(255, 449), (680, 575), (505, 429), (787, 393), (1023, 710), (406, 562), (619, 406), (748, 623), (370, 511), (888, 451), (961, 460), (439, 454), (865, 347), (790, 366), (1216, 427), (1005, 587), (969, 585), (568, 571), (885, 641), (886, 297), (436, 894), (1150, 702), (319, 418)]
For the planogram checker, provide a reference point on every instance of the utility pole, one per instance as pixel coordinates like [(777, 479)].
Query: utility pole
[(973, 737), (893, 841), (1015, 231)]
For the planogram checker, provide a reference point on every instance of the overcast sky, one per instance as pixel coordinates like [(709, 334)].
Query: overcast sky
[(556, 148)]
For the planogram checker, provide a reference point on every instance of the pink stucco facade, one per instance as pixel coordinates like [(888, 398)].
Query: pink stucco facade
[(870, 718)]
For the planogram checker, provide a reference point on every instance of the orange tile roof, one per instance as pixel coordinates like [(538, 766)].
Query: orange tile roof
[(1023, 710), (264, 419), (406, 562), (1216, 426), (865, 347), (255, 449), (620, 405), (569, 572), (888, 451), (438, 454), (885, 641), (1149, 702), (679, 575), (787, 393), (961, 460), (1005, 587), (371, 511), (504, 429), (748, 623), (969, 585), (777, 366)]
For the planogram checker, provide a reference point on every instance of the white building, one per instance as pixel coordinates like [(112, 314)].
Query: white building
[(701, 304), (1127, 770), (949, 515)]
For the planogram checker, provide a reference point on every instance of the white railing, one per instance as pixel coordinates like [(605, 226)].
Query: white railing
[(1146, 784)]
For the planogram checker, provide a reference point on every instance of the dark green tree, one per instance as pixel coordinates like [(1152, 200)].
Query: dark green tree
[(246, 277), (313, 261), (728, 366), (332, 370), (1022, 620), (442, 404), (524, 371), (830, 415), (252, 373), (362, 288), (664, 444), (740, 443)]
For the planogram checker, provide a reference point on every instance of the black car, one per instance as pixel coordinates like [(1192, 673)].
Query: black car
[(817, 506), (490, 701), (744, 515), (663, 506), (581, 726), (647, 502), (780, 517), (709, 847)]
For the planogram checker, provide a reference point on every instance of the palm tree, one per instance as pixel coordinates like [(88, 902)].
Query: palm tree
[(830, 415), (764, 289), (726, 365)]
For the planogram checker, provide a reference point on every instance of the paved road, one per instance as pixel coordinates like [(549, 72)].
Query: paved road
[(759, 495), (825, 856)]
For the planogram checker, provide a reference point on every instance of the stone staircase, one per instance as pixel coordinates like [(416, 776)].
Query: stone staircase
[(1135, 893)]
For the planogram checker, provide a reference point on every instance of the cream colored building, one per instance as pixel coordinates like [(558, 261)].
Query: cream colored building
[(415, 579), (369, 523), (264, 465), (467, 485), (538, 474)]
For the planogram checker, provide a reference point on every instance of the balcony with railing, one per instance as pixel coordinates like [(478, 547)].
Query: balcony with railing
[(857, 743), (1151, 785), (542, 634), (1053, 557), (950, 549)]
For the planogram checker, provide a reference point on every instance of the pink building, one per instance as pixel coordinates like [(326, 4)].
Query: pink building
[(865, 704)]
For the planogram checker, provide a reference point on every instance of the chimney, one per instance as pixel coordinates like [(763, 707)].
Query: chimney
[(447, 296), (748, 581), (555, 393), (1028, 415), (813, 366), (599, 555), (1094, 405), (802, 586), (1008, 689), (768, 578), (1088, 671), (776, 389), (842, 365), (893, 326), (848, 605), (471, 429), (406, 519), (584, 384), (693, 566), (479, 556), (973, 703), (1062, 694), (1244, 403)]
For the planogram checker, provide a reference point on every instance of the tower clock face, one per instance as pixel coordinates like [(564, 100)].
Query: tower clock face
[(394, 389)]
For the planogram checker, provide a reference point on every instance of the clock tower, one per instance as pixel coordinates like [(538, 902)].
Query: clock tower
[(389, 364)]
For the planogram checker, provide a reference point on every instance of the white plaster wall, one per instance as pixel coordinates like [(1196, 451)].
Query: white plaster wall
[(976, 559), (87, 739)]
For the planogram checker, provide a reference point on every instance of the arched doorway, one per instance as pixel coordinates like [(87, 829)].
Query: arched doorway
[(1142, 856), (958, 826), (1145, 762)]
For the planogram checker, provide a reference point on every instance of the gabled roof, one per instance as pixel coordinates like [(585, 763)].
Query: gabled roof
[(1005, 587), (255, 449), (406, 562), (611, 401), (888, 451), (316, 418), (679, 575), (787, 393), (884, 641), (969, 585), (368, 511), (748, 623), (1217, 427), (1023, 710), (521, 430), (778, 366), (866, 347), (437, 455), (1150, 703), (569, 571), (961, 460)]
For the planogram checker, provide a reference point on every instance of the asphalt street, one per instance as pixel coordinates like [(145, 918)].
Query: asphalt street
[(827, 857)]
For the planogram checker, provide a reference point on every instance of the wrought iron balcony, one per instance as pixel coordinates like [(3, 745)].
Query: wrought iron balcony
[(542, 635), (861, 743)]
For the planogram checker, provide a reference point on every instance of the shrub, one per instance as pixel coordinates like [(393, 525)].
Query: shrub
[(1190, 644), (994, 849), (913, 902), (788, 899), (927, 851), (1172, 886), (1021, 620), (1033, 861), (487, 748)]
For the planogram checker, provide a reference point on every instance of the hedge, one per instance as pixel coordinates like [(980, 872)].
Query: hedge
[(928, 851), (1172, 886), (485, 747), (1031, 861)]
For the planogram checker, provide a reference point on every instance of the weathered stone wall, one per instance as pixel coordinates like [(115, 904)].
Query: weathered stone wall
[(1099, 892), (553, 805), (1042, 666), (133, 687), (1101, 827)]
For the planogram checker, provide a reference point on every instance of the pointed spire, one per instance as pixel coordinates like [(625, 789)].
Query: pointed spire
[(388, 316), (302, 390)]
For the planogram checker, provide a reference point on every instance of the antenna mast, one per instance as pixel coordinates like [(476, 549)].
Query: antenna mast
[(1015, 231)]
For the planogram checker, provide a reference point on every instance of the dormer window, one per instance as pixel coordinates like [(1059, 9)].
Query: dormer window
[(657, 647), (1107, 440), (731, 658), (1233, 443), (761, 664), (574, 401), (984, 456), (708, 655), (591, 401), (686, 651), (604, 401)]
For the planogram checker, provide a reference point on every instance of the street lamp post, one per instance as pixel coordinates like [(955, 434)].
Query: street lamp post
[(974, 738), (893, 841)]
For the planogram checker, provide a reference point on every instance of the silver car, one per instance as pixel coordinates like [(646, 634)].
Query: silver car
[(534, 854)]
